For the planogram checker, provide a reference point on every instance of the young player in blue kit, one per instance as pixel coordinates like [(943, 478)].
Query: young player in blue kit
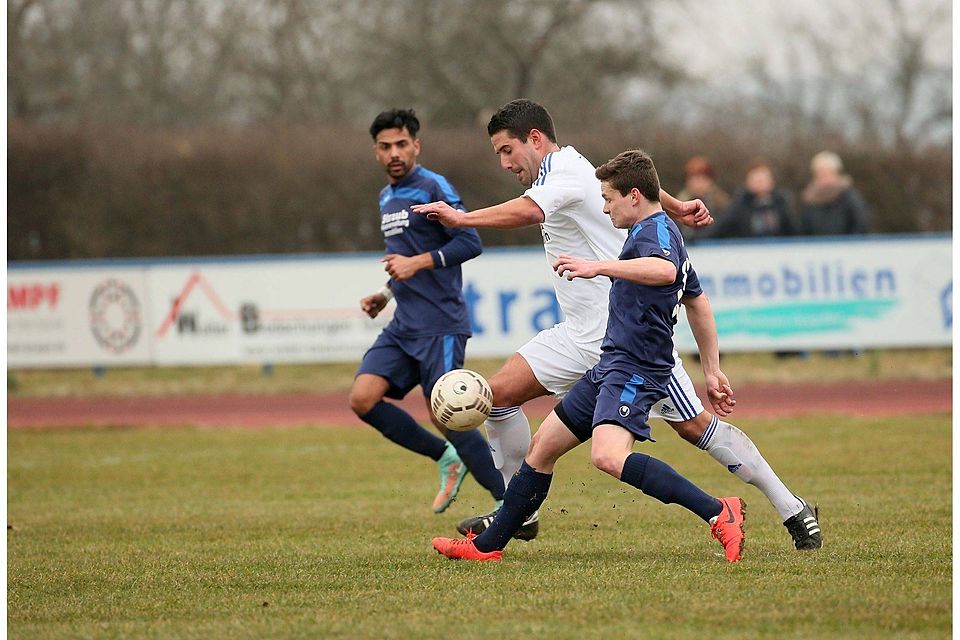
[(429, 331), (611, 402)]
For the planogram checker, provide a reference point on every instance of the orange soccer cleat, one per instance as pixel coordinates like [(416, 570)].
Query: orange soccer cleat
[(464, 549), (728, 527)]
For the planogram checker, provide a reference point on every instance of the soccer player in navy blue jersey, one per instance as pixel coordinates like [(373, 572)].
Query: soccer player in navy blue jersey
[(429, 330), (612, 401)]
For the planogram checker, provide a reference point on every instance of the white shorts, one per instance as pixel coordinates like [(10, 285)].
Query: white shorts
[(558, 362), (681, 402)]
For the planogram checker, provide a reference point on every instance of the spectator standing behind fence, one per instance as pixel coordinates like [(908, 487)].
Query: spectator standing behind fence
[(830, 204), (759, 209), (699, 182)]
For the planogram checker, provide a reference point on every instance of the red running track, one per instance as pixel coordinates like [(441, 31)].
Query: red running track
[(888, 398)]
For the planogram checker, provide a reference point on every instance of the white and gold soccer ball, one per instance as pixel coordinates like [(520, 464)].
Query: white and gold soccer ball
[(461, 400)]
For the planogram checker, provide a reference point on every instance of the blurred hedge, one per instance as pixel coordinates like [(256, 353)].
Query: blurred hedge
[(116, 192)]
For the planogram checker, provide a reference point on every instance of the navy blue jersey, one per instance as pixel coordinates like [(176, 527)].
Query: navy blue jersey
[(431, 302), (640, 326)]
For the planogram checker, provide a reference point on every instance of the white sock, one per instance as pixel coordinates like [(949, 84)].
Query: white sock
[(508, 432), (733, 449)]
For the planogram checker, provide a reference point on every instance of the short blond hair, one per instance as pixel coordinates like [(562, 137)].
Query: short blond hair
[(826, 159)]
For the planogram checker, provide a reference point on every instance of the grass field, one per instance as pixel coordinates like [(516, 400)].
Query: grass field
[(325, 533), (742, 368)]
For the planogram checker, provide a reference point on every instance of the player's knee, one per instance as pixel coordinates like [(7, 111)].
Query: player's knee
[(692, 430), (540, 454), (504, 395), (687, 430), (606, 461), (362, 401)]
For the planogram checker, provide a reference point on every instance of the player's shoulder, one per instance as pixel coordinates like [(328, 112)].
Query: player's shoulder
[(440, 182), (659, 228), (386, 193), (566, 160)]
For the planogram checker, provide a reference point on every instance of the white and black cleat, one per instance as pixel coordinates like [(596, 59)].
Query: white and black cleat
[(478, 524), (804, 528)]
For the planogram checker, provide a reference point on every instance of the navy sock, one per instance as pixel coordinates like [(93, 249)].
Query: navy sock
[(659, 480), (475, 453), (524, 495), (399, 426)]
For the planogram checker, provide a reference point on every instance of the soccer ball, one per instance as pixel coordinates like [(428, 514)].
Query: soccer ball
[(461, 400)]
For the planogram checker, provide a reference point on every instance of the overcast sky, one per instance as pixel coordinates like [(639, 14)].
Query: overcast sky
[(716, 37)]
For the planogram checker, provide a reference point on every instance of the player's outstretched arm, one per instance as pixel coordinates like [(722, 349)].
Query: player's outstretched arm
[(704, 328), (512, 214), (649, 271), (691, 213)]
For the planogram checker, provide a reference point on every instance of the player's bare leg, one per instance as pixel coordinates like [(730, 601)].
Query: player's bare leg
[(398, 426), (612, 452), (732, 448), (367, 391), (508, 432)]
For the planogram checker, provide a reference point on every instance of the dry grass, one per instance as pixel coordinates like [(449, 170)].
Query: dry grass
[(743, 369)]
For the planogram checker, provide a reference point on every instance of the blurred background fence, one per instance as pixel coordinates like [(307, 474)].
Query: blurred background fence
[(183, 127)]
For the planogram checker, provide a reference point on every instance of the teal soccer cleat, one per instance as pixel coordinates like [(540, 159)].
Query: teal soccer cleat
[(452, 471)]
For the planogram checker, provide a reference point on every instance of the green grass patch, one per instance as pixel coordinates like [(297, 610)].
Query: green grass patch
[(742, 368), (325, 533)]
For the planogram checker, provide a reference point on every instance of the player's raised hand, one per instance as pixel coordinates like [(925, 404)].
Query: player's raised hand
[(373, 304), (569, 267), (439, 211), (693, 213), (720, 393)]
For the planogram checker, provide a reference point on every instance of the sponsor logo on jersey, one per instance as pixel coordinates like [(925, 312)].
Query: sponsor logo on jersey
[(392, 224), (624, 411), (667, 409)]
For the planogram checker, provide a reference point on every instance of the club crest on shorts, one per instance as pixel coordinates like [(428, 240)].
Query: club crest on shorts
[(624, 411)]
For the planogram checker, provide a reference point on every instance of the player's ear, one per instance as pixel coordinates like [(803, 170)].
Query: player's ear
[(416, 148)]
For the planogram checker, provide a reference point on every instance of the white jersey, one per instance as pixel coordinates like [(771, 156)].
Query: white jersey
[(568, 192)]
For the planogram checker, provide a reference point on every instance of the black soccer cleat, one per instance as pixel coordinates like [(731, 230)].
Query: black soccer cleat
[(804, 528), (478, 524)]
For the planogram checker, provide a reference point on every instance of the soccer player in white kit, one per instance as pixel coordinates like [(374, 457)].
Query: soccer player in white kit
[(563, 196)]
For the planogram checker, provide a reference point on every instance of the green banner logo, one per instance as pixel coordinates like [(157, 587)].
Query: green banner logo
[(804, 318)]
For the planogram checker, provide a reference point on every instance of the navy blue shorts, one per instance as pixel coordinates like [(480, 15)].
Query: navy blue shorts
[(614, 396), (407, 362)]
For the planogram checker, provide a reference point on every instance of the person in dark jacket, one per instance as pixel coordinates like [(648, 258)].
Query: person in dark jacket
[(759, 210), (830, 205), (700, 182)]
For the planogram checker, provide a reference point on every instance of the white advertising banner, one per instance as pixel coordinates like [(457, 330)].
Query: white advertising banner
[(784, 295), (264, 310), (82, 317), (890, 292)]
